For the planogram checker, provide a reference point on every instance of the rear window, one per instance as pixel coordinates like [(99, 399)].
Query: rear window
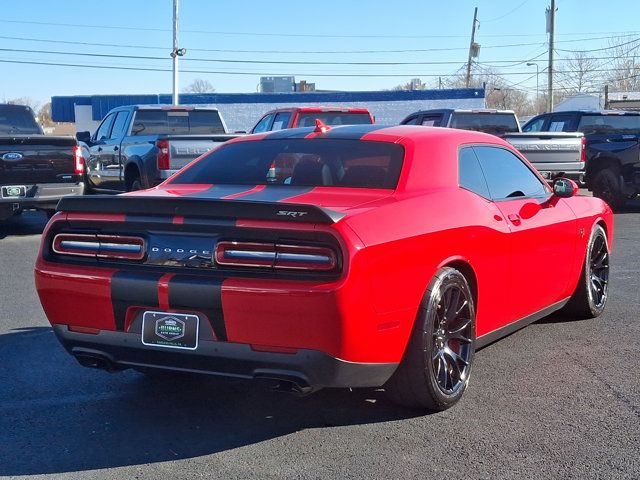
[(494, 123), (177, 122), (604, 124), (334, 118), (17, 119), (318, 162)]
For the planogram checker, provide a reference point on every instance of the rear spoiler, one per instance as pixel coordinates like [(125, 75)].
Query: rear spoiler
[(196, 207)]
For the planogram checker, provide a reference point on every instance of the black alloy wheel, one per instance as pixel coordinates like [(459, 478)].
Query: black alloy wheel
[(591, 294), (435, 369), (452, 339)]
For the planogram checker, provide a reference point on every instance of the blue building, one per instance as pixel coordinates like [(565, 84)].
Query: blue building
[(242, 110)]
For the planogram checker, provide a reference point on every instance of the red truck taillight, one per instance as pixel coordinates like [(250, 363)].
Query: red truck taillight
[(78, 160), (277, 256), (99, 246), (163, 155), (583, 150)]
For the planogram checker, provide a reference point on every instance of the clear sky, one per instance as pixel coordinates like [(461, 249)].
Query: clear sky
[(227, 41)]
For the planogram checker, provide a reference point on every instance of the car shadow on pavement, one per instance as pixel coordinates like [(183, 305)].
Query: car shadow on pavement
[(27, 223), (56, 416)]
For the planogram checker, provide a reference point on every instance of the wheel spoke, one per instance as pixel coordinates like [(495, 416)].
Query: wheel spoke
[(454, 356)]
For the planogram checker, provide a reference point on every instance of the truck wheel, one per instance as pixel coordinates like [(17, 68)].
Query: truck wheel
[(435, 369), (134, 183), (606, 185)]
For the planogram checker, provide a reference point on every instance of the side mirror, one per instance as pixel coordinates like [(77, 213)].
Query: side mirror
[(83, 137), (564, 187)]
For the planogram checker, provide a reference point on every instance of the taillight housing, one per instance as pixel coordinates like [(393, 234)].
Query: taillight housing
[(583, 150), (115, 247), (275, 256), (78, 160), (164, 157)]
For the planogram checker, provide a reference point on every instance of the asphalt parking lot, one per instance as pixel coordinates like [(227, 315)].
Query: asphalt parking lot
[(559, 399)]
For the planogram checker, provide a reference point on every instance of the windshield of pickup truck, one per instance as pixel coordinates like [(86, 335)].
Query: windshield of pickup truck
[(318, 162), (334, 118), (604, 124), (494, 123), (177, 122), (17, 119)]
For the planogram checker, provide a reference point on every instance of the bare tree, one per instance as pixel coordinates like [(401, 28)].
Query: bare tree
[(413, 84), (580, 73), (199, 86), (44, 115), (624, 70), (498, 93)]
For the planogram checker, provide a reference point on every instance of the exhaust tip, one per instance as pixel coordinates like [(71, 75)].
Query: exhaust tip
[(96, 361)]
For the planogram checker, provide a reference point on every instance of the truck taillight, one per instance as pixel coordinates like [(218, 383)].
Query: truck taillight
[(276, 256), (78, 160), (583, 150), (99, 246), (163, 155)]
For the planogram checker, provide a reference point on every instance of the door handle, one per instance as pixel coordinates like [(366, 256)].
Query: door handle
[(115, 149), (514, 218), (99, 149)]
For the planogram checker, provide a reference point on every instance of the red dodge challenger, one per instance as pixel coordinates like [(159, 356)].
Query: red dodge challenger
[(355, 256)]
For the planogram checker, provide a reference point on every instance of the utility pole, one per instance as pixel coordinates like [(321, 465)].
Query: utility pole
[(551, 26), (473, 36), (175, 53)]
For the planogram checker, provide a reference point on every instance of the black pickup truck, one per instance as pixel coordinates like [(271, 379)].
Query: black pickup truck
[(139, 146), (612, 149), (36, 170), (495, 122)]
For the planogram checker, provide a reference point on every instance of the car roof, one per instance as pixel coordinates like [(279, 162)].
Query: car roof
[(319, 109), (386, 133), (460, 110), (590, 112)]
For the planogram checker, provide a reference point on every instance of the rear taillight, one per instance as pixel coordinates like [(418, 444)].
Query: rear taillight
[(163, 154), (583, 150), (99, 246), (78, 160), (276, 256)]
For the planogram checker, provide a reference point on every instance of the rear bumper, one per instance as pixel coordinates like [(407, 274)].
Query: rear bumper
[(44, 196), (550, 171), (308, 369)]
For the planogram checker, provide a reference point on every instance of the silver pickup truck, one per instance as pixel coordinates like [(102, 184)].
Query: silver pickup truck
[(553, 154)]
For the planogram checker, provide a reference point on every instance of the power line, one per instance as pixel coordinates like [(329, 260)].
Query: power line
[(505, 15), (308, 35)]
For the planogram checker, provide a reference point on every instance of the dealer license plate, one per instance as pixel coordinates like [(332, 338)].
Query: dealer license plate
[(14, 191), (170, 330)]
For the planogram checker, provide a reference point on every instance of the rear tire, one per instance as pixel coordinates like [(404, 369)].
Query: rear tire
[(590, 296), (606, 185), (134, 183), (434, 371)]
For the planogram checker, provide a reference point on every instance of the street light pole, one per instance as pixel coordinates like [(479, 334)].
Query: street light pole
[(174, 52), (537, 83)]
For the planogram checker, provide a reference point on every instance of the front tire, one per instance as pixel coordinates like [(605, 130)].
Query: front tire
[(590, 296), (434, 372)]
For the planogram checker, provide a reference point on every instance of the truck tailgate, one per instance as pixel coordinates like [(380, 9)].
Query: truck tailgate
[(185, 148), (26, 159), (550, 151)]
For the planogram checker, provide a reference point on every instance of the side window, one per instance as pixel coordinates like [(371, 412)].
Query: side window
[(281, 121), (562, 123), (119, 125), (508, 176), (470, 174), (534, 125), (412, 121), (105, 127), (432, 121), (263, 125)]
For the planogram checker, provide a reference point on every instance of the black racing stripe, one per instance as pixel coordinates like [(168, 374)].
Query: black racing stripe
[(187, 292), (276, 193), (220, 191), (352, 132), (289, 133), (134, 218), (130, 289)]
